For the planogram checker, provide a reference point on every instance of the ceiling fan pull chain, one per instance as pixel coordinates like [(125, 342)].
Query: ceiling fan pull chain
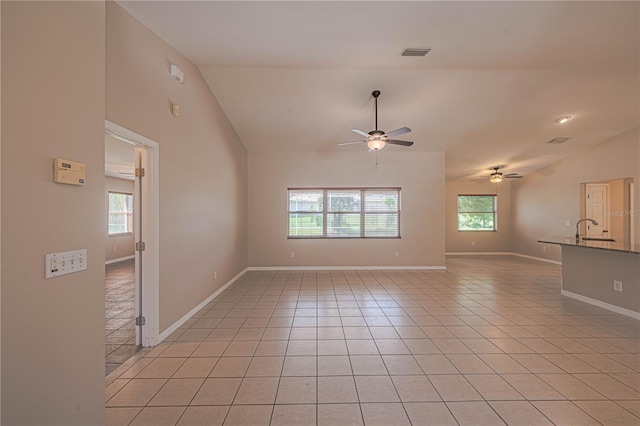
[(377, 160)]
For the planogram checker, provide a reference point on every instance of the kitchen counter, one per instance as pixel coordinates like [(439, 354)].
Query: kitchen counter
[(600, 245)]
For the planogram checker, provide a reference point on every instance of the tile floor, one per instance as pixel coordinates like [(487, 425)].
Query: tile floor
[(119, 314), (489, 341)]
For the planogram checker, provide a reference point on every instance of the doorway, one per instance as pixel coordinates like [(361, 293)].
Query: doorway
[(144, 232), (597, 209)]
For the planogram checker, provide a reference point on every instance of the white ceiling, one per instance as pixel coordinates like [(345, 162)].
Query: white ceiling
[(119, 158), (299, 75)]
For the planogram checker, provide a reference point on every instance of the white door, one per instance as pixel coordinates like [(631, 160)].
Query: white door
[(597, 199), (137, 232)]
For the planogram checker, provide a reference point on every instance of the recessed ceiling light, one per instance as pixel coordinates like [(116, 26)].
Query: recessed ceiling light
[(563, 119), (416, 51)]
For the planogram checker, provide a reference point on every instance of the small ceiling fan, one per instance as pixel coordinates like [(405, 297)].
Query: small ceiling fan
[(496, 176), (377, 139)]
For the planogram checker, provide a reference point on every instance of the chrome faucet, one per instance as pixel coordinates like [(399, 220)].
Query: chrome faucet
[(578, 224)]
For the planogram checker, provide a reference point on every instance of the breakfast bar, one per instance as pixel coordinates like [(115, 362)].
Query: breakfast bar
[(602, 273)]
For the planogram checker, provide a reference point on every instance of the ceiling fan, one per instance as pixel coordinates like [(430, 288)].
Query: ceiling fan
[(496, 176), (377, 139)]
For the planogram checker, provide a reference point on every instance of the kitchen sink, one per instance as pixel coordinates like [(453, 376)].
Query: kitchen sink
[(598, 239)]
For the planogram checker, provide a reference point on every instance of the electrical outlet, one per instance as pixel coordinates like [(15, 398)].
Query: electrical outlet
[(617, 285), (544, 248), (65, 263), (293, 254), (473, 243), (215, 275), (567, 222), (115, 248)]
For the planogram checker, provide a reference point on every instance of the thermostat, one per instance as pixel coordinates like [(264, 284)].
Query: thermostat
[(69, 172)]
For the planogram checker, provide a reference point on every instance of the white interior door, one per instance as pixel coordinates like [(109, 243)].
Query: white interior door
[(137, 232), (633, 238), (597, 199)]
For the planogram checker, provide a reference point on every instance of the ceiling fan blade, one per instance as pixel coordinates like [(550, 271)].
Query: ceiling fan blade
[(397, 142), (514, 177), (510, 174), (400, 131), (360, 132), (352, 142)]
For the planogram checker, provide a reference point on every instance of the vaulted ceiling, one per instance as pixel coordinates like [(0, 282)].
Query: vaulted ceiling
[(299, 75)]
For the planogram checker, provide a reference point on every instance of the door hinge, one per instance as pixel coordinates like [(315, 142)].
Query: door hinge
[(140, 246), (140, 172), (140, 321)]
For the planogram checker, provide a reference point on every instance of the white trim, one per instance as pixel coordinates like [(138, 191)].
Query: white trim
[(342, 268), (173, 327), (151, 233), (601, 304), (541, 259), (502, 253), (120, 259)]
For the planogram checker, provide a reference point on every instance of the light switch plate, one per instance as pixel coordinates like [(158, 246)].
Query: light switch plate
[(66, 262)]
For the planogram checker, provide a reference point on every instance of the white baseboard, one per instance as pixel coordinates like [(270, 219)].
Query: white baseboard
[(502, 253), (342, 268), (173, 327), (120, 259), (601, 304)]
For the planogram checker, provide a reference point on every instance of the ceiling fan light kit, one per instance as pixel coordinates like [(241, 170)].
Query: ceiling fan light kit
[(378, 139), (497, 177)]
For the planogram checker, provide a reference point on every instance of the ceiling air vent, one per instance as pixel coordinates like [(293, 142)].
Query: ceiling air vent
[(416, 51), (558, 140)]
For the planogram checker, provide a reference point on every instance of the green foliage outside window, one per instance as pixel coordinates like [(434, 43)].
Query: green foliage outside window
[(477, 213)]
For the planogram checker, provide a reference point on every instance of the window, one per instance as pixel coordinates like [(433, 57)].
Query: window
[(120, 213), (477, 213), (344, 213)]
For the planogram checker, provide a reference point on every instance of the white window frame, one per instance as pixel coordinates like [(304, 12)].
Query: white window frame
[(362, 213), (129, 215), (494, 212)]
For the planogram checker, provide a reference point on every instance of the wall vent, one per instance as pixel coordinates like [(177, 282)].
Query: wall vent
[(558, 140), (416, 51)]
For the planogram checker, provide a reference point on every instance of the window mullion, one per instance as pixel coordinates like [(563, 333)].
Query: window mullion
[(325, 217), (362, 212)]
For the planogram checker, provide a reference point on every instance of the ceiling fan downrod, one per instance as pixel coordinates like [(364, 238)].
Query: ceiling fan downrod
[(375, 95)]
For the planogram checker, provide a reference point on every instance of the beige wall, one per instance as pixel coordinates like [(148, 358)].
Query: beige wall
[(117, 246), (419, 174), (497, 241), (542, 201), (52, 106), (203, 195)]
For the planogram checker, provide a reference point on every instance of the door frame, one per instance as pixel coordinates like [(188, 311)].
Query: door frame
[(150, 231)]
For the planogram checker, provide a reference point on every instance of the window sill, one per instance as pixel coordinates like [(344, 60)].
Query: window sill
[(477, 230), (122, 234), (343, 238)]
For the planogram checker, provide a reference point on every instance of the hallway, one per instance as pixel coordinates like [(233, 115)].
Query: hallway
[(119, 314), (489, 341)]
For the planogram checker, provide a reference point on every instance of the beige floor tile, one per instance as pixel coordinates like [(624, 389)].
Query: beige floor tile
[(564, 413), (421, 346), (195, 367), (332, 321), (330, 333), (384, 414), (217, 391), (303, 333), (391, 347), (481, 346), (608, 386), (383, 332), (608, 413), (204, 416), (429, 414), (294, 415), (541, 346), (519, 413), (231, 367), (474, 414), (265, 366), (257, 390), (300, 366), (176, 392), (194, 335), (631, 380), (451, 346), (339, 414), (604, 363), (376, 389), (357, 333), (332, 347), (114, 387), (136, 368), (502, 363), (492, 387), (210, 349), (632, 406), (302, 347), (334, 366), (362, 347), (401, 364), (297, 390), (436, 364), (570, 363), (469, 364), (136, 393), (222, 334), (415, 389), (531, 387), (368, 365), (570, 387), (454, 388), (119, 416), (249, 415), (271, 348), (241, 348), (158, 416), (179, 349), (337, 389), (537, 364), (249, 333), (161, 368), (276, 333)]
